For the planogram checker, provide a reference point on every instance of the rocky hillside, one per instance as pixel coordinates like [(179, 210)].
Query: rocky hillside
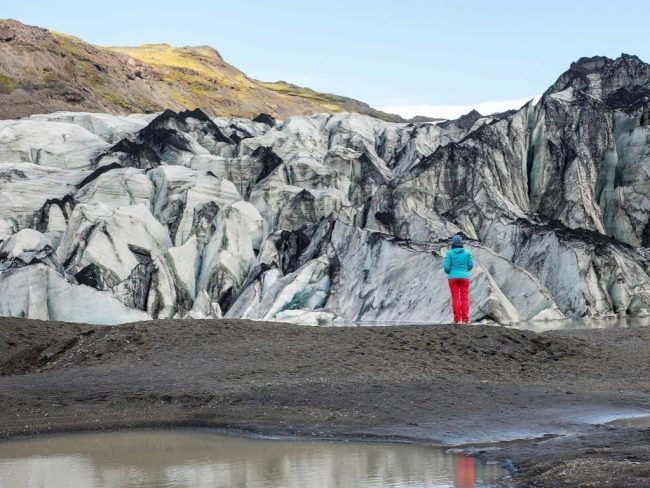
[(107, 219), (42, 71)]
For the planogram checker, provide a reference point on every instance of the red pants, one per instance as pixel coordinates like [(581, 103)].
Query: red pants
[(459, 288)]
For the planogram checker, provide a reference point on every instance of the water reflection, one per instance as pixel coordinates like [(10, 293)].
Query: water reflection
[(639, 421), (464, 472), (166, 459), (611, 323), (538, 326)]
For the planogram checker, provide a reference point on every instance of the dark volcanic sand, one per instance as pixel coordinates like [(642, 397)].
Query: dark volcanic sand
[(443, 384)]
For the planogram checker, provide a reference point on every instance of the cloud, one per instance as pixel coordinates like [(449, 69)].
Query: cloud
[(454, 111)]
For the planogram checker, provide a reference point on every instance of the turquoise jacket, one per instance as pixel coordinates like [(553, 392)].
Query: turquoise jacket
[(458, 262)]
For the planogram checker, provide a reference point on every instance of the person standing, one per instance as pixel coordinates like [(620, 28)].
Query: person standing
[(458, 263)]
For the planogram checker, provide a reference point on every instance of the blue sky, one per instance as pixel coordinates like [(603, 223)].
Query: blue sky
[(407, 56)]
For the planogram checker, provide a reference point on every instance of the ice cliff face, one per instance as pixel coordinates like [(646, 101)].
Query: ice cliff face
[(108, 219)]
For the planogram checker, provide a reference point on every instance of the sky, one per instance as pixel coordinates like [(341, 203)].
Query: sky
[(437, 58)]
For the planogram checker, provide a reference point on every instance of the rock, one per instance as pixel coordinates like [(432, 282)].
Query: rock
[(265, 119)]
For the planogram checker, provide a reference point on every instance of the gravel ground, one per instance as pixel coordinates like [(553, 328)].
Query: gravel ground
[(454, 385)]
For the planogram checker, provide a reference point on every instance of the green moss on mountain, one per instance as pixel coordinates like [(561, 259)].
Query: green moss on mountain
[(7, 84), (62, 72)]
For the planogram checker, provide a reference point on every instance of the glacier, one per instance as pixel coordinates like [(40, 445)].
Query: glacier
[(109, 219)]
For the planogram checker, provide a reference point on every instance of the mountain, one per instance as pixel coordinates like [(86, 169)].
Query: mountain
[(108, 219), (42, 71)]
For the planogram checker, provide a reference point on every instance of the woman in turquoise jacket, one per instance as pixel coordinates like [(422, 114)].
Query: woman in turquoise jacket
[(458, 263)]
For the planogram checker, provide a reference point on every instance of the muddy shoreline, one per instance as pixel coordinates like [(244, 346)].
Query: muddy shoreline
[(449, 385)]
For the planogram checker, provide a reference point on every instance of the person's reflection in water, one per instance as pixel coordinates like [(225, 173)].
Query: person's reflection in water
[(464, 472)]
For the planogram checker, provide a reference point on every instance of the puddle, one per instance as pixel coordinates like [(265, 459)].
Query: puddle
[(639, 422), (615, 323), (197, 459), (611, 417), (538, 326)]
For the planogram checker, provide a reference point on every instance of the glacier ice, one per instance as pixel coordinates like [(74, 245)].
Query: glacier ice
[(50, 144), (327, 217), (38, 292)]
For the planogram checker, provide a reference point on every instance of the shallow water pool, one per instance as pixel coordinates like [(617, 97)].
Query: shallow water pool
[(197, 459), (538, 326)]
